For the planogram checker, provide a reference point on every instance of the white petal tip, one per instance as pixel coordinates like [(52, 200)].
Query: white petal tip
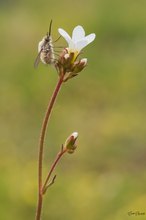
[(75, 135), (93, 36), (60, 30), (84, 60), (64, 34)]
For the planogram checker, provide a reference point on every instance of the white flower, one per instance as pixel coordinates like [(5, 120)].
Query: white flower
[(78, 40)]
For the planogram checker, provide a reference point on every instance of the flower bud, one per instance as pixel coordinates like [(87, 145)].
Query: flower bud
[(80, 65), (66, 60), (69, 64), (70, 143)]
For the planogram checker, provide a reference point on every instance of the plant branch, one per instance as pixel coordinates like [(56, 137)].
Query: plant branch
[(41, 144), (60, 154)]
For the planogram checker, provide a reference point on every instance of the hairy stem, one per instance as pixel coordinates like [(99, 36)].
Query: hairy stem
[(41, 145)]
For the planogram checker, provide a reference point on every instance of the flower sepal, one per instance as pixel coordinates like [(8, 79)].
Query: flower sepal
[(77, 67), (69, 75), (66, 60), (80, 65)]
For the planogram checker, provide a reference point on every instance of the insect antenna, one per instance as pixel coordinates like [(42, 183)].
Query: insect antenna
[(56, 39), (58, 47), (50, 27)]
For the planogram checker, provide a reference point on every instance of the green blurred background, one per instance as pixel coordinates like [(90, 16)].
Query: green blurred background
[(106, 177)]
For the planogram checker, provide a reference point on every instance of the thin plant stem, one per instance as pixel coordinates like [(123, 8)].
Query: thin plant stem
[(59, 155), (41, 144)]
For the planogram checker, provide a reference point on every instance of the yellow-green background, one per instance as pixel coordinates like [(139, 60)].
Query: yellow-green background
[(106, 177)]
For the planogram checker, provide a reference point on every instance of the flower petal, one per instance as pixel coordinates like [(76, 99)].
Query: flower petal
[(81, 44), (65, 35), (78, 33), (90, 38), (72, 45)]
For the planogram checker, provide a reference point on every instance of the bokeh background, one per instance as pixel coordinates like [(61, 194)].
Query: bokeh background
[(106, 177)]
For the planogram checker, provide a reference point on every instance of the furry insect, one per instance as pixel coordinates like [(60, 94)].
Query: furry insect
[(45, 49)]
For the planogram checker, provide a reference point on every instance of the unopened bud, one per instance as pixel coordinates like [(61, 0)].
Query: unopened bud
[(69, 65), (70, 143), (83, 61), (80, 65), (66, 56)]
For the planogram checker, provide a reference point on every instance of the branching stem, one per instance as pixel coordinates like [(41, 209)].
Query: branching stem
[(41, 145), (60, 154)]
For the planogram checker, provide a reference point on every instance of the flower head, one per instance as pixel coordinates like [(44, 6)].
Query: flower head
[(78, 40), (69, 64)]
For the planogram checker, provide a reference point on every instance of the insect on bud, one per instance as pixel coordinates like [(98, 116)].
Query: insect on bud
[(70, 143)]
